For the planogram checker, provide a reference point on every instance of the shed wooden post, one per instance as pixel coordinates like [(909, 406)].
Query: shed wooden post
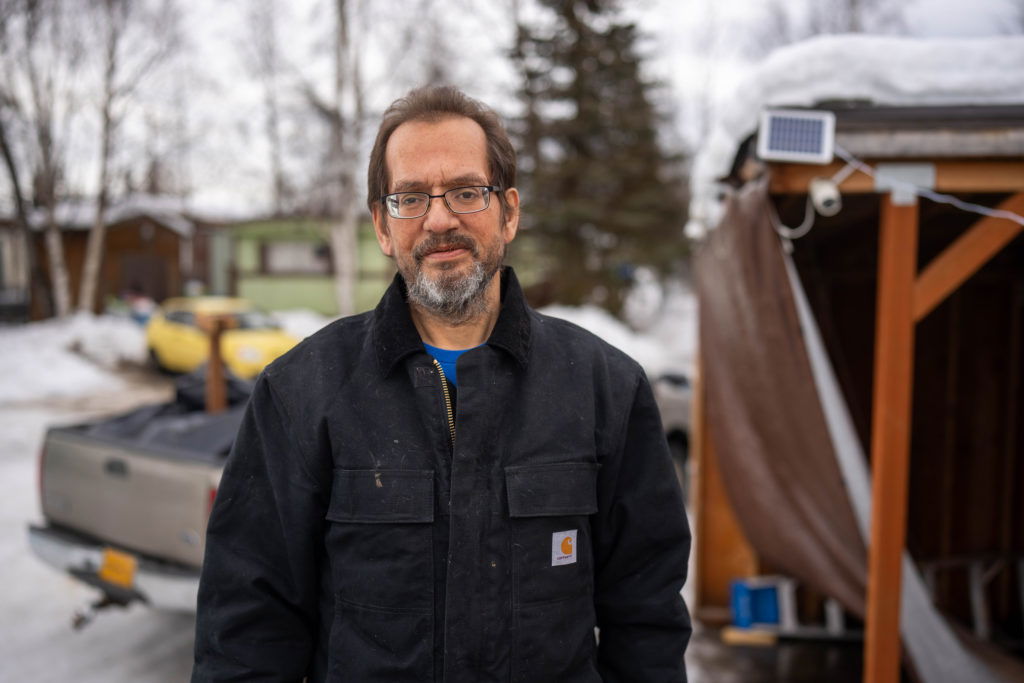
[(890, 435)]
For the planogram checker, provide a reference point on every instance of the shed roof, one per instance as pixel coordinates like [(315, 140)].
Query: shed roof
[(893, 97), (78, 214)]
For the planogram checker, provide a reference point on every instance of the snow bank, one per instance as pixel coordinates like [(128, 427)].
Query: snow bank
[(666, 345), (300, 322), (74, 356), (893, 71)]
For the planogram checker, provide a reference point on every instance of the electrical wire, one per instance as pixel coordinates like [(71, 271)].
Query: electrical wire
[(853, 162), (786, 232)]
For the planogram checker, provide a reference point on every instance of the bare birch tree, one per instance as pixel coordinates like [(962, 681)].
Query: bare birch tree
[(134, 43), (21, 258), (344, 114), (44, 57)]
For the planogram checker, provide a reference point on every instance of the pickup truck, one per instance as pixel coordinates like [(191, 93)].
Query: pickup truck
[(126, 499)]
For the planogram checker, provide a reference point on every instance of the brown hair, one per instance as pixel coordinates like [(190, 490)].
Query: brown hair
[(433, 103)]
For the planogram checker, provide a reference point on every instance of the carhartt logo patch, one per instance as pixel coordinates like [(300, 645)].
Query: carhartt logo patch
[(563, 547)]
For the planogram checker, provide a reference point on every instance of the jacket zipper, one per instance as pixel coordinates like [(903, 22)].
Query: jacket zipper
[(447, 402)]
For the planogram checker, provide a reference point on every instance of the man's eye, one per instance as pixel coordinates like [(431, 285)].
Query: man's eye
[(410, 200), (468, 194)]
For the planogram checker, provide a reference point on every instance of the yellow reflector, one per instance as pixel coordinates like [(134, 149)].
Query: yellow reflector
[(118, 568)]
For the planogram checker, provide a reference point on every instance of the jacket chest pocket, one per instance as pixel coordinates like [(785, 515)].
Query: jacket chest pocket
[(549, 506), (380, 541)]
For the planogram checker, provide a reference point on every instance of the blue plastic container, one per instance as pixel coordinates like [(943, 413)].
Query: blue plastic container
[(755, 602)]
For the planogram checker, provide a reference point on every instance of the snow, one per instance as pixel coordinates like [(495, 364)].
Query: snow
[(79, 214), (894, 71), (667, 340), (301, 322), (69, 357)]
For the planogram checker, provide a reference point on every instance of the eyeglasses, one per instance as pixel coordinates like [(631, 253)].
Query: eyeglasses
[(468, 199)]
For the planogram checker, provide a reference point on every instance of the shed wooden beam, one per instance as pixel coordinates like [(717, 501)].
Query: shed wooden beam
[(965, 256), (890, 437), (950, 176)]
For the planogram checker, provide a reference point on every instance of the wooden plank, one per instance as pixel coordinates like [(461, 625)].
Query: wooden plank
[(950, 176), (890, 437), (795, 178), (965, 256), (721, 551), (979, 176)]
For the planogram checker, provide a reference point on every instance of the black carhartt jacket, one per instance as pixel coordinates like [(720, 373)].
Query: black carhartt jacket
[(351, 540)]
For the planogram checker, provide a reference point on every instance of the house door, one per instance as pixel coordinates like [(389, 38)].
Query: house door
[(144, 273)]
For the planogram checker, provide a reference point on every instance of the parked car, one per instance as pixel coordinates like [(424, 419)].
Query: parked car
[(126, 500), (674, 394), (178, 344)]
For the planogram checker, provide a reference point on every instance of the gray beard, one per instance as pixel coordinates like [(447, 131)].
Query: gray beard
[(454, 300)]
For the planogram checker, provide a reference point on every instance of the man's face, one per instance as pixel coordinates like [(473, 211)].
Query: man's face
[(446, 259)]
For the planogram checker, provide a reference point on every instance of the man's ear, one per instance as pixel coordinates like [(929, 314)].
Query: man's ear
[(511, 226), (380, 228)]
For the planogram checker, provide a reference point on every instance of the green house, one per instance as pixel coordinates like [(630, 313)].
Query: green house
[(285, 263)]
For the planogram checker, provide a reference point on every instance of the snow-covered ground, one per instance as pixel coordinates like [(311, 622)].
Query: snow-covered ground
[(66, 358), (67, 371)]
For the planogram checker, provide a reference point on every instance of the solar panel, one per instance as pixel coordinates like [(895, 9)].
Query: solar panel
[(796, 135)]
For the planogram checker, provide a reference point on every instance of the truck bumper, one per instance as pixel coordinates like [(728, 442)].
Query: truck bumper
[(158, 584)]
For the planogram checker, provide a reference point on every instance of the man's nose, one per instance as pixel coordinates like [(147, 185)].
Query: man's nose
[(439, 217)]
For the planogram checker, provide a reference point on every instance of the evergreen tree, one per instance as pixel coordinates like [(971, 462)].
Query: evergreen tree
[(601, 195)]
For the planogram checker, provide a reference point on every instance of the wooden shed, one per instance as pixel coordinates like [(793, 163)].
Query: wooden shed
[(861, 384), (148, 249)]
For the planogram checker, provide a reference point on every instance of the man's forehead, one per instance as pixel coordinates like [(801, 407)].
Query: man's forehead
[(450, 151)]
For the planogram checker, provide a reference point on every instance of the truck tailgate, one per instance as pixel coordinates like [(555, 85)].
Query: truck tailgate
[(146, 500)]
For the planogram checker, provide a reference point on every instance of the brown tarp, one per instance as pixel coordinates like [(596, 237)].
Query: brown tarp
[(763, 411)]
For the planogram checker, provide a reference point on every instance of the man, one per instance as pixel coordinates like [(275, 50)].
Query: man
[(451, 487)]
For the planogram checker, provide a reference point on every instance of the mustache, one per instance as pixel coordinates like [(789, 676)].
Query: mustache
[(444, 242)]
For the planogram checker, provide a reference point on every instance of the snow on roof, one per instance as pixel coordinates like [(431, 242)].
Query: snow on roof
[(78, 214), (892, 71)]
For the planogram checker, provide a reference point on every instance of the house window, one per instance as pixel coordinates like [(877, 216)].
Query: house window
[(295, 257)]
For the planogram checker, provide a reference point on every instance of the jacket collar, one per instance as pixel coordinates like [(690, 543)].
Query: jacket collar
[(395, 336)]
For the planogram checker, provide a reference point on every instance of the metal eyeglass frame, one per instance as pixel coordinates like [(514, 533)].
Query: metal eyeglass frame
[(488, 189)]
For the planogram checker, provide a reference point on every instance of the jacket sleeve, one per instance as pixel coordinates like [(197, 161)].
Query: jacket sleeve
[(257, 615), (642, 544)]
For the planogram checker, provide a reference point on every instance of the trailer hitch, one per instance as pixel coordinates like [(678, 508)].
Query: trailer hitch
[(84, 616)]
